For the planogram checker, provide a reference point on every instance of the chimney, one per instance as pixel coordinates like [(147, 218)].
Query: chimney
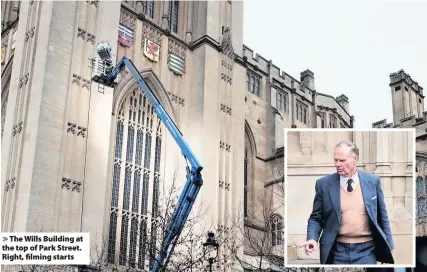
[(307, 78), (343, 101)]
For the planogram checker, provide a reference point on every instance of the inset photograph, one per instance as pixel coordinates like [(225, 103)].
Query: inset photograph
[(350, 197)]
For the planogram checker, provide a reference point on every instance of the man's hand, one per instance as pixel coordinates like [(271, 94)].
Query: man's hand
[(309, 246)]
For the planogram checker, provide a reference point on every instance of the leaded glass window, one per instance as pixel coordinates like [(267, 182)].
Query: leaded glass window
[(148, 8), (332, 121), (421, 190), (136, 177), (282, 101), (301, 112), (245, 176), (253, 83), (173, 16), (276, 230)]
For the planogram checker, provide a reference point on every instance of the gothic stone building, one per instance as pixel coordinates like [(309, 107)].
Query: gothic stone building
[(388, 154), (408, 112), (80, 157)]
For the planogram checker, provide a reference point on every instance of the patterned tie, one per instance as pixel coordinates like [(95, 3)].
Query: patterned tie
[(349, 188)]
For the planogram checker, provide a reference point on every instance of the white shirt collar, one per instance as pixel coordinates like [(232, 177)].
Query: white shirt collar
[(355, 178)]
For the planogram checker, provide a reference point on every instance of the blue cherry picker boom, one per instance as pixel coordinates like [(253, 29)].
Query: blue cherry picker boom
[(194, 178)]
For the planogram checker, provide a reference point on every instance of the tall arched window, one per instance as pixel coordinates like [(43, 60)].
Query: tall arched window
[(5, 85), (248, 171), (136, 176), (3, 113), (421, 188), (421, 196), (148, 8), (173, 16), (245, 169), (421, 199), (276, 230)]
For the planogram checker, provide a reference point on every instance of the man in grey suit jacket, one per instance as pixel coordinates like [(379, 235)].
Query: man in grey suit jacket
[(349, 208)]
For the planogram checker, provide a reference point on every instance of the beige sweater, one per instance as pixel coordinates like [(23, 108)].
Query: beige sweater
[(354, 218)]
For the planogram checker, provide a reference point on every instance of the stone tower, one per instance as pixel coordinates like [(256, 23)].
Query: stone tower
[(78, 156), (407, 97), (81, 157)]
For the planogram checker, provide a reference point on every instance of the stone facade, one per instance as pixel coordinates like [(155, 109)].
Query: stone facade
[(409, 112), (80, 157), (388, 154)]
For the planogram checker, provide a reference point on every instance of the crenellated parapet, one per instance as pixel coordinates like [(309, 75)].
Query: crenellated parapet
[(413, 121), (382, 124), (401, 76), (296, 101), (255, 61), (407, 97), (409, 122), (279, 77), (420, 125)]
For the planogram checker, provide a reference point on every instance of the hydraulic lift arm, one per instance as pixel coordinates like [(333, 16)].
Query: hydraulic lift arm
[(194, 177)]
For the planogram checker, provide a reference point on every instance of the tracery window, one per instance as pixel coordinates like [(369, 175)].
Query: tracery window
[(3, 114), (421, 189), (245, 184), (276, 230), (136, 176), (301, 112), (282, 101), (248, 173), (332, 121), (173, 16), (253, 83), (148, 8), (322, 120)]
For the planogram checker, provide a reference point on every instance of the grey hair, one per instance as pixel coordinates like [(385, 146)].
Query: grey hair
[(353, 147)]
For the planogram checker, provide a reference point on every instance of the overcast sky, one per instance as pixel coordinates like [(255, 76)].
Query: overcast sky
[(350, 46)]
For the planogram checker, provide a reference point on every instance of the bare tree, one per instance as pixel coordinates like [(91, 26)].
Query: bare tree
[(188, 254), (36, 268), (260, 235), (260, 232), (278, 173)]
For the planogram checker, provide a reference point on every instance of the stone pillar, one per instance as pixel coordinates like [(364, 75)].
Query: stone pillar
[(358, 137), (139, 9), (411, 107), (398, 189), (33, 128), (293, 105), (99, 158), (189, 32), (410, 170), (314, 110), (319, 143), (398, 164), (305, 142), (164, 13), (383, 156), (383, 165)]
